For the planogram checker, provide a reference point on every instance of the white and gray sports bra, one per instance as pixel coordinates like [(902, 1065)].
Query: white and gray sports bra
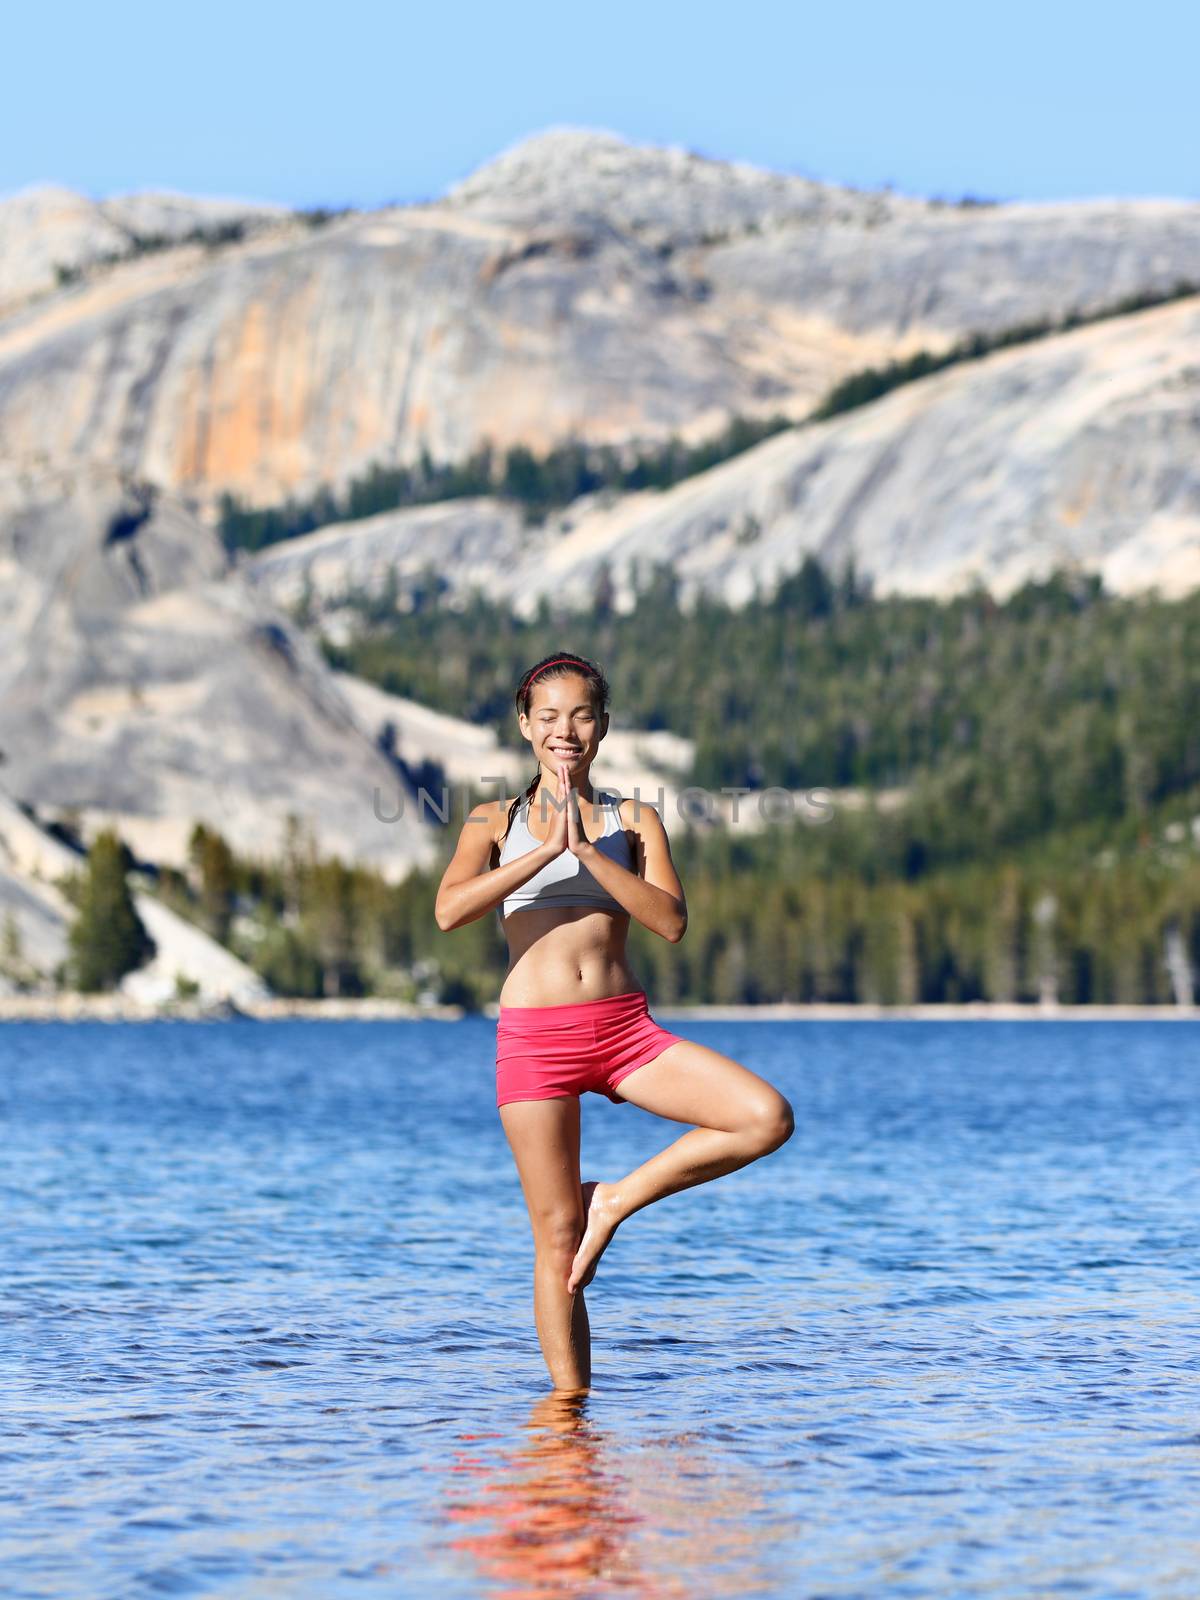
[(565, 881)]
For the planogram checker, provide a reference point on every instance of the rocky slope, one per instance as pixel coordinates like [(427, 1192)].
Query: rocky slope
[(1079, 450), (48, 233), (143, 686), (577, 286)]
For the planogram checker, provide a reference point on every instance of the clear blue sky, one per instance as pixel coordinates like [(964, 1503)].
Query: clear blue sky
[(362, 104)]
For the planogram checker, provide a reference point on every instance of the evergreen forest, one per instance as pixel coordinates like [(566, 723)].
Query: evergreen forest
[(1014, 797)]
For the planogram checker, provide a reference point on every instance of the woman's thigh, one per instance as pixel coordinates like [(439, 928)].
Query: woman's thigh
[(689, 1082), (544, 1138)]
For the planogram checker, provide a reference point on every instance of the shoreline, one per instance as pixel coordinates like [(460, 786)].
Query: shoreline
[(118, 1008), (969, 1011)]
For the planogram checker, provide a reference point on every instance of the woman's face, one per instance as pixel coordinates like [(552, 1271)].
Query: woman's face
[(563, 725)]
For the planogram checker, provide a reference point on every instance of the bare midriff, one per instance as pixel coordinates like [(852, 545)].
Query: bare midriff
[(558, 955)]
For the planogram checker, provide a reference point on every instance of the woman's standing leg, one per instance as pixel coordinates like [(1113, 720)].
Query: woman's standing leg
[(544, 1138)]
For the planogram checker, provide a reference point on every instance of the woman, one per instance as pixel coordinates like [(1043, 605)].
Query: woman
[(573, 1016)]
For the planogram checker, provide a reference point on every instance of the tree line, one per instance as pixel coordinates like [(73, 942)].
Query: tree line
[(767, 923), (1001, 721), (536, 483)]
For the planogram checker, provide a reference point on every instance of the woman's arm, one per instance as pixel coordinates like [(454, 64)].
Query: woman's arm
[(654, 894), (470, 886)]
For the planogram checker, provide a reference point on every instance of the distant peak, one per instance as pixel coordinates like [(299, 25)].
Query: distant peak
[(547, 154), (44, 193), (654, 191)]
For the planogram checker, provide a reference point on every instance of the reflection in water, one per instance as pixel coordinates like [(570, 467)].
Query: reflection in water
[(568, 1510)]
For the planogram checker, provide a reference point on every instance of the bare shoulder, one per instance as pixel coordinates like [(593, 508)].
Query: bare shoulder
[(492, 814), (641, 817), (479, 839)]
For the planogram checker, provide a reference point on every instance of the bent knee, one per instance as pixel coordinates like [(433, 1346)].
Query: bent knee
[(771, 1123)]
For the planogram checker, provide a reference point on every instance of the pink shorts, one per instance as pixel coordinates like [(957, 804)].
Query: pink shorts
[(549, 1052)]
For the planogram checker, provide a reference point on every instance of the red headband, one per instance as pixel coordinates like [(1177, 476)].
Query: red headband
[(562, 661)]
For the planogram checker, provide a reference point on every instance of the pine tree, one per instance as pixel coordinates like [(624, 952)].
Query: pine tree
[(213, 862), (107, 938)]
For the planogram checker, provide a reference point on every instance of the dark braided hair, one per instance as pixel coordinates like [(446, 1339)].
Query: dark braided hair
[(558, 665)]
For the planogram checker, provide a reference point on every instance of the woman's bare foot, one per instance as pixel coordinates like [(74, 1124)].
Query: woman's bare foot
[(601, 1213)]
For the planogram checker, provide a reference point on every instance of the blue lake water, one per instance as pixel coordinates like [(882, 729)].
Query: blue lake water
[(267, 1330)]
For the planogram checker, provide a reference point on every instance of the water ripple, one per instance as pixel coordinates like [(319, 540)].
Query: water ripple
[(266, 1323)]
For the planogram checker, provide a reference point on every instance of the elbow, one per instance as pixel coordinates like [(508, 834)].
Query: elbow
[(677, 930), (444, 917)]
